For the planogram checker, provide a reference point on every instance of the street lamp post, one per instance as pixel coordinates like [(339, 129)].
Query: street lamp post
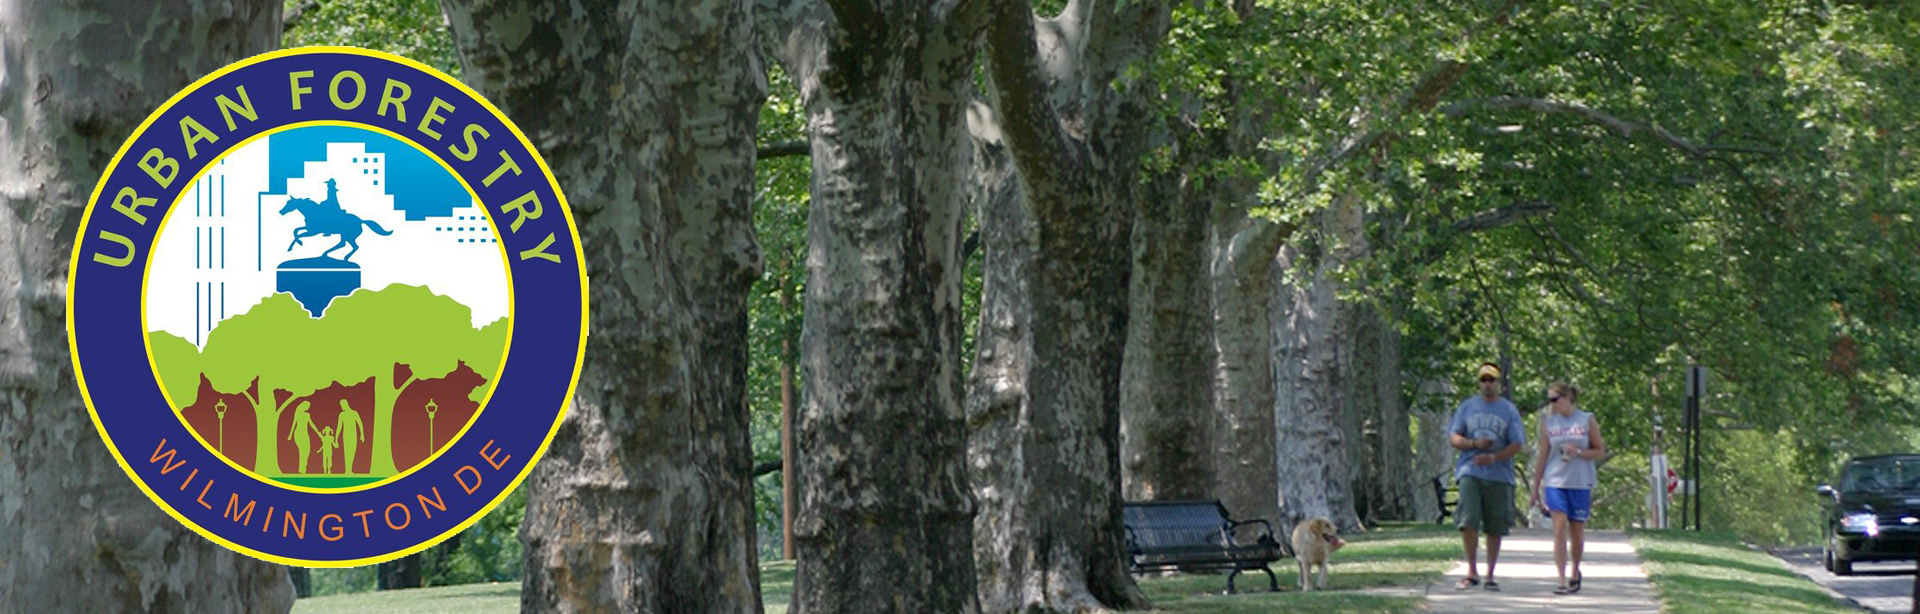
[(431, 409), (220, 410)]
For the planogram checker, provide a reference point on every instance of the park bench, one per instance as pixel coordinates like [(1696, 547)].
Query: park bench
[(1446, 493), (1198, 536)]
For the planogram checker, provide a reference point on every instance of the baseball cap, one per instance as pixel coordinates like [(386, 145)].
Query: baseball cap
[(1489, 371)]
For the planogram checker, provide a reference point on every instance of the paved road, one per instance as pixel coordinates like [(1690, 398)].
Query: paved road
[(1613, 581), (1880, 587)]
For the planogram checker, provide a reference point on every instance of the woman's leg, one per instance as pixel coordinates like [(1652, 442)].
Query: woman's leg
[(1560, 545), (1580, 511), (1579, 546)]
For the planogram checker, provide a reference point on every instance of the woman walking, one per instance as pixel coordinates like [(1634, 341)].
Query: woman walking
[(1569, 443)]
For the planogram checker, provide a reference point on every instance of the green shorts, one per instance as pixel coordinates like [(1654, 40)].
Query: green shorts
[(1484, 506)]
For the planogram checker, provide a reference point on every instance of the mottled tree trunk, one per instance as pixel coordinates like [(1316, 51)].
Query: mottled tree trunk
[(646, 114), (1359, 418), (1042, 455), (1432, 409), (1045, 400), (1400, 485), (1166, 398), (885, 517), (76, 79), (1316, 479), (1244, 428)]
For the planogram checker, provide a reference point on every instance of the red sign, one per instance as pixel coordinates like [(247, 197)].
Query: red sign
[(1673, 481)]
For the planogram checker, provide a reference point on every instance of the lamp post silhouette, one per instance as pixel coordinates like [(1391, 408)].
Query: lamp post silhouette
[(220, 409), (431, 409)]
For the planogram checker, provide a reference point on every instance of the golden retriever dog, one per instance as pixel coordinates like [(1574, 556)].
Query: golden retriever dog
[(1315, 541)]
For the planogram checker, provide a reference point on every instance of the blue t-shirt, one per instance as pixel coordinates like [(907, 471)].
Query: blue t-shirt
[(1497, 420)]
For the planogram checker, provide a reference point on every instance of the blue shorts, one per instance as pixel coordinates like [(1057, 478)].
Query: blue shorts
[(1576, 503)]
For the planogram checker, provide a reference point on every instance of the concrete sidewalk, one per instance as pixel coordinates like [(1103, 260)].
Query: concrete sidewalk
[(1613, 580)]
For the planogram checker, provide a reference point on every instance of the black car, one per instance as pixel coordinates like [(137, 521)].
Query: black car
[(1874, 515)]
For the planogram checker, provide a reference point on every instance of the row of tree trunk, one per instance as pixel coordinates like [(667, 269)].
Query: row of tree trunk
[(917, 491)]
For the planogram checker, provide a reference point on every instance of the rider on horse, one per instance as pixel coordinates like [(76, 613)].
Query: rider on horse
[(329, 218)]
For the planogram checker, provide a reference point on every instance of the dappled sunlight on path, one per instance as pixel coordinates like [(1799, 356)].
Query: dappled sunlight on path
[(1613, 580)]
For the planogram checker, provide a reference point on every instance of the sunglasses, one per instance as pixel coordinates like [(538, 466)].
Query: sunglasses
[(1553, 399), (1489, 379)]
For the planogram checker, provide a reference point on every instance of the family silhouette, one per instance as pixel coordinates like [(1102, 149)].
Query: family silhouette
[(347, 432)]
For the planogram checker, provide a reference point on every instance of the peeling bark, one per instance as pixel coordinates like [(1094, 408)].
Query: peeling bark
[(1398, 480), (1316, 477), (646, 114), (1166, 403), (1045, 399), (885, 517), (1244, 401), (75, 81)]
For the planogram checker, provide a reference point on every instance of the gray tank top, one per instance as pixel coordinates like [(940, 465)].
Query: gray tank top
[(1567, 471)]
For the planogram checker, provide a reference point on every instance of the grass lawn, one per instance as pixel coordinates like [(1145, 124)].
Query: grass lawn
[(1712, 573), (1396, 555), (501, 597), (1411, 554)]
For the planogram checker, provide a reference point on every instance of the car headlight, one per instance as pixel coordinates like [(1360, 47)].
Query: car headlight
[(1860, 523)]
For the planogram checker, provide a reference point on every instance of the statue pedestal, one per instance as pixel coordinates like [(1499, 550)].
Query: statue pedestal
[(315, 282)]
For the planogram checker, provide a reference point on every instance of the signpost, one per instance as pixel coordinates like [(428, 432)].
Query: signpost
[(1696, 390), (1659, 475)]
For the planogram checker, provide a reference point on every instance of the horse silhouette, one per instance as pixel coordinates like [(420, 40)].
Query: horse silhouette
[(321, 219)]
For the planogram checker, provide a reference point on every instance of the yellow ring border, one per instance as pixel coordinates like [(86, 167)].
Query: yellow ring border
[(493, 384), (566, 211)]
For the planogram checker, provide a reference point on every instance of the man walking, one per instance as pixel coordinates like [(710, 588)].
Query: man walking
[(1486, 429)]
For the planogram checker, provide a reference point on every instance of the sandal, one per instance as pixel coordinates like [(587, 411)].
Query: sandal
[(1574, 586), (1562, 590), (1493, 586), (1466, 583)]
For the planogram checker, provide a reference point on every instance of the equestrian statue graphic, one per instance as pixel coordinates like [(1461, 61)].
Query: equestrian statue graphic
[(328, 218)]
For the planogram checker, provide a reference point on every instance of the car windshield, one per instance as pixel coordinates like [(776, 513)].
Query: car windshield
[(1882, 474)]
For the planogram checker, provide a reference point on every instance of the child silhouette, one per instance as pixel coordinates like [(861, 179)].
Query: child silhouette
[(326, 450)]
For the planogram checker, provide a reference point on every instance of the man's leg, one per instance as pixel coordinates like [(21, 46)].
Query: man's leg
[(1493, 553), (1497, 505), (1467, 515), (1471, 540)]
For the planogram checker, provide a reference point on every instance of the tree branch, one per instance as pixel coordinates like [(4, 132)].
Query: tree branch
[(1032, 129), (293, 17), (1622, 127), (1118, 34), (1495, 218), (771, 466), (1439, 79), (785, 149), (1573, 284)]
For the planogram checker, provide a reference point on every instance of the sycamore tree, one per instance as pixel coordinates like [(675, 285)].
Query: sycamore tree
[(78, 79), (646, 114)]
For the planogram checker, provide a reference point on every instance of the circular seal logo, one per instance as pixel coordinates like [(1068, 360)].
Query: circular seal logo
[(327, 306)]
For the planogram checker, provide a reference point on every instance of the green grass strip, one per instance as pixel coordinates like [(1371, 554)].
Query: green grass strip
[(1406, 556), (1714, 573)]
